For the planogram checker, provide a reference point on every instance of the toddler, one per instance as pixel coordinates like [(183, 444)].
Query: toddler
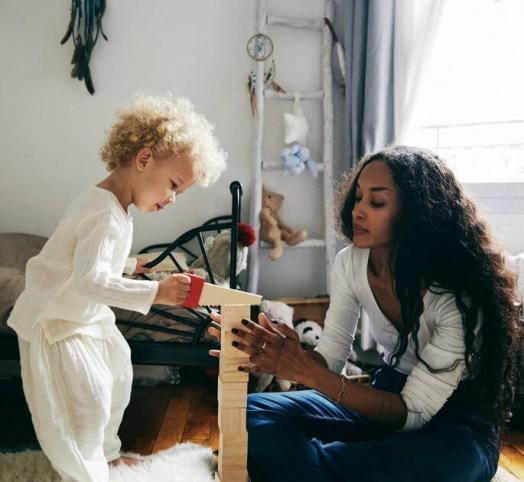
[(76, 365)]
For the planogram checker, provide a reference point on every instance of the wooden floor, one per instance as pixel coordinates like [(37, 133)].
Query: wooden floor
[(159, 417)]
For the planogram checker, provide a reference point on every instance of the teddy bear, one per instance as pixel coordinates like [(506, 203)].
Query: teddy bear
[(272, 228)]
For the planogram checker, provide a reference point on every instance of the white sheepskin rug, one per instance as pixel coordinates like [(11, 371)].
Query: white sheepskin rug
[(181, 463), (185, 462)]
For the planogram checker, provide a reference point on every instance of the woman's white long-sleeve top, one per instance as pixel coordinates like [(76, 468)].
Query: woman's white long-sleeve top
[(440, 337)]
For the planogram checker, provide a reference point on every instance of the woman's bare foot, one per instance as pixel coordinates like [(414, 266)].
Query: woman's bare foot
[(124, 460)]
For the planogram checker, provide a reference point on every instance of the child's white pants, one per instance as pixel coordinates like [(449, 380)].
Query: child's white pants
[(77, 390)]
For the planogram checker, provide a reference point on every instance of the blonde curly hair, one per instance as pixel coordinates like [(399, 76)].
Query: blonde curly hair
[(169, 127)]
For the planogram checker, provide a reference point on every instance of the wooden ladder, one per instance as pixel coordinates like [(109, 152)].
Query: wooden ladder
[(264, 19)]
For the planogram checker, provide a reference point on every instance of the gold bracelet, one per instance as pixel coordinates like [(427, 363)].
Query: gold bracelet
[(343, 381)]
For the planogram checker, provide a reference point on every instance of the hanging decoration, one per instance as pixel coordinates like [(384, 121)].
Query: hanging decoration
[(338, 62), (297, 157), (84, 28), (296, 126), (260, 48)]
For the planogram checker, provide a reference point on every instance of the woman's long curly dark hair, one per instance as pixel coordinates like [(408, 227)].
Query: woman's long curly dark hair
[(442, 242)]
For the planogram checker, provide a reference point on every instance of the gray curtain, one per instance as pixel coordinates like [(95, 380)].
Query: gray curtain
[(364, 115)]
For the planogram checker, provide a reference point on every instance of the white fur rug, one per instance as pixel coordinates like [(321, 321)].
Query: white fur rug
[(181, 463)]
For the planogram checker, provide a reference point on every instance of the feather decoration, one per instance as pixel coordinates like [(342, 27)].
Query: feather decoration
[(84, 27)]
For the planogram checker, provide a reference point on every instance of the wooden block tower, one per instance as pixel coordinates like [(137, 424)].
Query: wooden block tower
[(232, 398), (232, 384)]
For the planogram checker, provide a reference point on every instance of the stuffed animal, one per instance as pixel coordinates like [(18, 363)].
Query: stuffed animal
[(296, 158), (275, 310), (309, 332), (272, 229), (218, 249), (296, 126)]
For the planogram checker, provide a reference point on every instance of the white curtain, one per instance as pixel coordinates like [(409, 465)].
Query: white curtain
[(516, 263), (416, 28)]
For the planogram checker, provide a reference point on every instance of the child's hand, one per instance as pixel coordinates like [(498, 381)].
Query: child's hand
[(140, 266), (174, 290)]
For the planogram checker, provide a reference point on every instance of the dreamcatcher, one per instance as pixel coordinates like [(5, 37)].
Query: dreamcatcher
[(84, 27), (260, 48)]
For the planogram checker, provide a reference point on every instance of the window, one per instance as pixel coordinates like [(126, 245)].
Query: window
[(471, 103)]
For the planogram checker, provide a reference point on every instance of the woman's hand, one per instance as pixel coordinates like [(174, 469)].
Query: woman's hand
[(174, 290), (272, 348)]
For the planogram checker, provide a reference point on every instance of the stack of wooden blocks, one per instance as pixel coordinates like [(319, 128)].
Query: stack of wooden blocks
[(232, 383), (232, 400)]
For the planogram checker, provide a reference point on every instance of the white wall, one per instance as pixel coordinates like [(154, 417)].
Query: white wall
[(51, 128)]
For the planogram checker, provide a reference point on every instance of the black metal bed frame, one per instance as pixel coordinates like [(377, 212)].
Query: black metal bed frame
[(144, 352)]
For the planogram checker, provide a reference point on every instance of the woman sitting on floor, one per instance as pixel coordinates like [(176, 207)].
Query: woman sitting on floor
[(424, 267)]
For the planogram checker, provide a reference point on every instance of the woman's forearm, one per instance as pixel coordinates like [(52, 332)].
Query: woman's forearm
[(378, 405), (316, 356)]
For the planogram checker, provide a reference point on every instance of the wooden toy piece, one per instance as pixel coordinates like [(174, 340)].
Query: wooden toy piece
[(227, 350), (232, 316), (231, 420), (230, 357), (235, 456), (233, 476), (232, 399), (232, 394), (229, 372), (232, 459), (217, 478), (202, 293)]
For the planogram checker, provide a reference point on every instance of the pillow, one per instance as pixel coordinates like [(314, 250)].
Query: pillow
[(17, 248), (11, 285), (15, 251), (166, 264)]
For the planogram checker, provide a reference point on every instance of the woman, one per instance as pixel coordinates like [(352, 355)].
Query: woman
[(440, 298)]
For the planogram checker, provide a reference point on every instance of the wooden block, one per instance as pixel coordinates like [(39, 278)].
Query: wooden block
[(231, 394), (217, 295), (233, 445), (202, 293), (229, 371), (217, 477), (233, 315), (232, 452), (231, 420), (234, 476), (227, 350)]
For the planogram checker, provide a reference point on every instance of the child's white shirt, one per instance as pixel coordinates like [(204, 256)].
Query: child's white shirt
[(440, 337), (71, 283)]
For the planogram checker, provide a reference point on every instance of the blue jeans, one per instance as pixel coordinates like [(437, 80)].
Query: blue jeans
[(304, 436)]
